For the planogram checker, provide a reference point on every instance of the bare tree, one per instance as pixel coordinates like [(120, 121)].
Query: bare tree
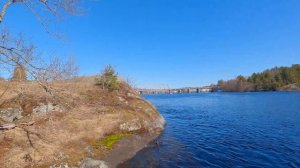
[(59, 70), (15, 52), (55, 7)]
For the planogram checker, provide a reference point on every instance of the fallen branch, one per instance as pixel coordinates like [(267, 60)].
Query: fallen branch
[(27, 124), (7, 126)]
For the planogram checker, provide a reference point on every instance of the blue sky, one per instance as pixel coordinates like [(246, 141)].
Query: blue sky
[(172, 43)]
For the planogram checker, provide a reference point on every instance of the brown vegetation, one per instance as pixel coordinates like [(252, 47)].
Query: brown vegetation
[(89, 114), (19, 74)]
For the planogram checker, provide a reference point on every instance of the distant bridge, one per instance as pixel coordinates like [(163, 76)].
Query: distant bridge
[(204, 89)]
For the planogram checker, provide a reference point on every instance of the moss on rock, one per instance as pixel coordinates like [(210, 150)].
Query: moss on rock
[(111, 140)]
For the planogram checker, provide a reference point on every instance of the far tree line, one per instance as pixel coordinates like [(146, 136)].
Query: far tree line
[(277, 78)]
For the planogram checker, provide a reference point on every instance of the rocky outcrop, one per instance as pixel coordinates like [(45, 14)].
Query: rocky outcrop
[(10, 114), (128, 148), (91, 163), (13, 114), (136, 125), (46, 108), (130, 126), (77, 127), (157, 124)]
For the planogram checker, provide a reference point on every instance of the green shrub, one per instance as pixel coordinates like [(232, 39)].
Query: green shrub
[(108, 79)]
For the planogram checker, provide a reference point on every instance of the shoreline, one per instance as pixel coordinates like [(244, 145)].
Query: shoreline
[(222, 92), (123, 151), (127, 148)]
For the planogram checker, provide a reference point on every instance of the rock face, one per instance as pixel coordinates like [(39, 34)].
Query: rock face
[(132, 95), (10, 114), (91, 163), (158, 123), (133, 125), (46, 108), (60, 166)]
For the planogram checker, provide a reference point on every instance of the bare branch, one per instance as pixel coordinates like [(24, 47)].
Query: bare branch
[(5, 6), (16, 53), (55, 7)]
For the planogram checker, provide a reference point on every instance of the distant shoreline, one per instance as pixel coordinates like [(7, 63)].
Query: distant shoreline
[(263, 91)]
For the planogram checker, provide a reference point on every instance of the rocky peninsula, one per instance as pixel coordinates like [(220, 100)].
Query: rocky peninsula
[(78, 125)]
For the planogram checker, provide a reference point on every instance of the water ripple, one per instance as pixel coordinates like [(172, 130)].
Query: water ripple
[(226, 130)]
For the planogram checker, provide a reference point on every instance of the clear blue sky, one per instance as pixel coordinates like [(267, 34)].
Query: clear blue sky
[(173, 42)]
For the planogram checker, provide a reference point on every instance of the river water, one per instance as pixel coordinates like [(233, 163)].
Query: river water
[(225, 130)]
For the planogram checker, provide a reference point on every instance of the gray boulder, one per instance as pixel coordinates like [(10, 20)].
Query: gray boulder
[(91, 163), (46, 108), (10, 114), (133, 125)]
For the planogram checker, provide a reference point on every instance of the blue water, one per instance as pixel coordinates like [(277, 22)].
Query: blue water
[(225, 130)]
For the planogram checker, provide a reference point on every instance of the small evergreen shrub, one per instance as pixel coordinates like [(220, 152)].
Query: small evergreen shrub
[(108, 79)]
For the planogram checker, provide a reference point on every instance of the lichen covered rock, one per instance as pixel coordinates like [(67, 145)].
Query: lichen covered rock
[(91, 163), (46, 108), (10, 114), (133, 125)]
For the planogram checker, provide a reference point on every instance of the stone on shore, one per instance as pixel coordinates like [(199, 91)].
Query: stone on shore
[(91, 163), (10, 114)]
